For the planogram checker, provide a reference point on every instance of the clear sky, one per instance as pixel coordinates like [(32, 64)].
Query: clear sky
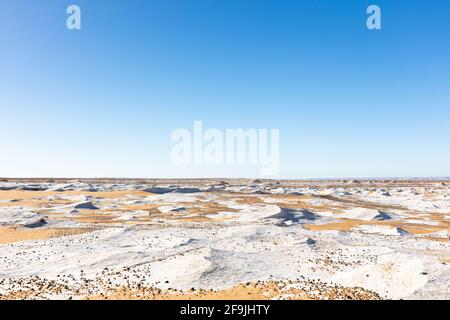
[(102, 101)]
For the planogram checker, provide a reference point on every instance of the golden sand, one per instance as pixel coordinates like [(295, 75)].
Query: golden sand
[(344, 225), (12, 234), (249, 291)]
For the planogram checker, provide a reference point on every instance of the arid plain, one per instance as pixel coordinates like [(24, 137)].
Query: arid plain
[(224, 239)]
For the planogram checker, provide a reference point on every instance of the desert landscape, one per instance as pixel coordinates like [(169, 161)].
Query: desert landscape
[(224, 239)]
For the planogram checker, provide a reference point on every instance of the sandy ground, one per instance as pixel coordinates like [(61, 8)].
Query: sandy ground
[(232, 239), (13, 234)]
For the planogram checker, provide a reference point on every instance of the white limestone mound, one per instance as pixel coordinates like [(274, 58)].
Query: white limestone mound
[(444, 234), (132, 215), (22, 219), (383, 230), (366, 214), (163, 190), (174, 209), (287, 217), (424, 222), (34, 187), (8, 187), (34, 223)]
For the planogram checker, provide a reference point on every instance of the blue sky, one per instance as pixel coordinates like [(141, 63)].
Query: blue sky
[(102, 101)]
